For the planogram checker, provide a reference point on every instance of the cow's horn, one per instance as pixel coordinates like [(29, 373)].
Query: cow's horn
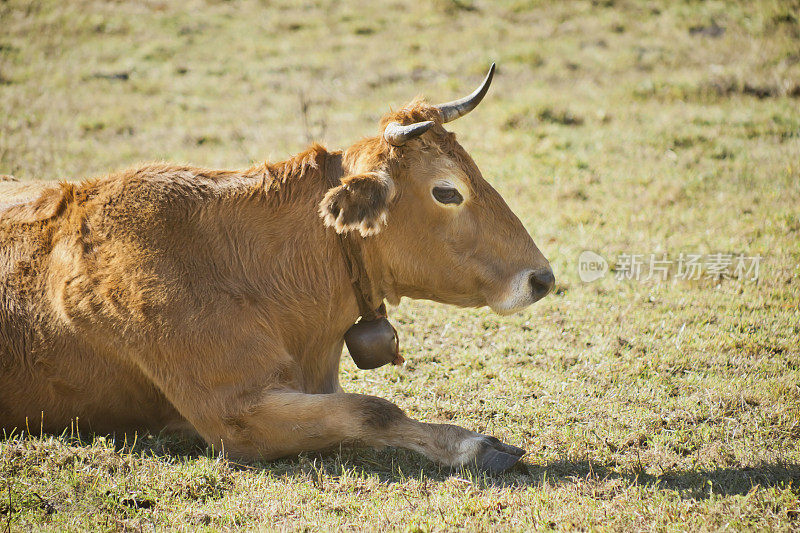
[(396, 134), (462, 106)]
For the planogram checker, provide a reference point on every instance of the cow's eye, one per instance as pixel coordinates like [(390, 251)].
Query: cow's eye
[(447, 195)]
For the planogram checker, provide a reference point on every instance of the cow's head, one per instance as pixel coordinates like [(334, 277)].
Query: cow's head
[(436, 227)]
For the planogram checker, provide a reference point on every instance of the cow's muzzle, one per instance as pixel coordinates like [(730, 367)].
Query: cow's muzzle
[(541, 282)]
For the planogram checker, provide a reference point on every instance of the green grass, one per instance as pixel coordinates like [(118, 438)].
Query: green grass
[(614, 126)]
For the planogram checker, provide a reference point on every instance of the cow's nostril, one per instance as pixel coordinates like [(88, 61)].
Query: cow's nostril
[(542, 282)]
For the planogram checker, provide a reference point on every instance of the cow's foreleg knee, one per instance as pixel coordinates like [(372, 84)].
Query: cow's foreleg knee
[(285, 423)]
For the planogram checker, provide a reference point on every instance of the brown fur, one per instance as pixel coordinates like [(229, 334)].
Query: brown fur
[(215, 302)]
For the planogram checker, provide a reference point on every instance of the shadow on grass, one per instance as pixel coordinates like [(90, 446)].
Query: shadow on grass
[(398, 466), (694, 484), (393, 466)]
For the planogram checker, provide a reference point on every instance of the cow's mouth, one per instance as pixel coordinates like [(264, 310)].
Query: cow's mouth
[(526, 288)]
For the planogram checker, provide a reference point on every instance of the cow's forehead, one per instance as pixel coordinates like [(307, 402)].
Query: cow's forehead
[(458, 161)]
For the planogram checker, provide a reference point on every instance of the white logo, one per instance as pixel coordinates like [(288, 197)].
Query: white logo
[(591, 266)]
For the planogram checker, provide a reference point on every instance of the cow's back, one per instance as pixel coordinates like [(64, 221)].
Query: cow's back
[(50, 372)]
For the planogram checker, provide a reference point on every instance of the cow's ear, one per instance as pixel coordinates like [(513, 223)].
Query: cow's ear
[(360, 203)]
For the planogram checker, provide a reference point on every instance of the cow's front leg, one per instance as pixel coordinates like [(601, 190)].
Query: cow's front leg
[(286, 423)]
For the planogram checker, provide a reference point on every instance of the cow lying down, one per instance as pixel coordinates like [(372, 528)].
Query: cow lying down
[(216, 301)]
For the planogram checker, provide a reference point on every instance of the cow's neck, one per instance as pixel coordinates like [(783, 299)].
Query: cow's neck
[(294, 268)]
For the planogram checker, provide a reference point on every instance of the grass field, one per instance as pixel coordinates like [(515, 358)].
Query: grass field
[(621, 127)]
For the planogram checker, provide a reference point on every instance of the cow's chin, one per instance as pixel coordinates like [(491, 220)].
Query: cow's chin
[(506, 309)]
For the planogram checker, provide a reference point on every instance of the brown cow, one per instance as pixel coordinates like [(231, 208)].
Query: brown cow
[(215, 302)]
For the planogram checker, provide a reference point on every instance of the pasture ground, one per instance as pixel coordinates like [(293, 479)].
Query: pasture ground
[(616, 126)]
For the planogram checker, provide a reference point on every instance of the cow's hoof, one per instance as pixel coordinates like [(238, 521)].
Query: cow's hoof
[(495, 457)]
